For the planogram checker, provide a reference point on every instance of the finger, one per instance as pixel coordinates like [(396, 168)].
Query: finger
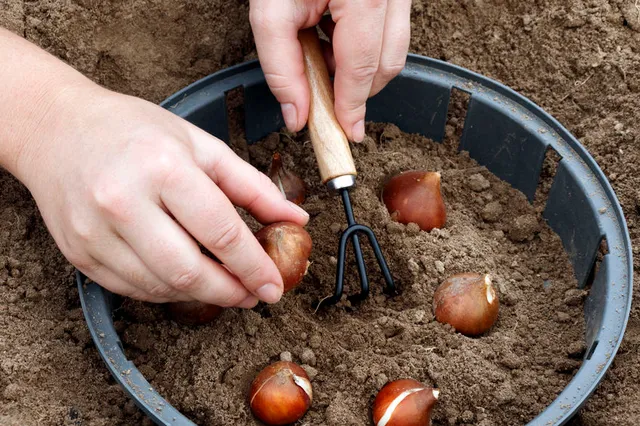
[(275, 32), (248, 303), (357, 43), (173, 256), (119, 258), (245, 186), (110, 281), (211, 218), (395, 44)]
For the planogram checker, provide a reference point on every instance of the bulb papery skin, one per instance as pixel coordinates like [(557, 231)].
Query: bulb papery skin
[(288, 183), (404, 402), (468, 302), (289, 246), (415, 197), (281, 394)]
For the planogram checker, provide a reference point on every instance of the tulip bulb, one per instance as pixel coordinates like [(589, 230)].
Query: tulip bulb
[(414, 196), (468, 302), (404, 402), (291, 186), (280, 394), (289, 246), (193, 312)]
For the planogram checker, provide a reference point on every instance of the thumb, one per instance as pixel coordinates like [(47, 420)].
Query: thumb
[(276, 35)]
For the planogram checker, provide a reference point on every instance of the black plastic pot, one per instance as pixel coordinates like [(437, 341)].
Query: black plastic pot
[(503, 131)]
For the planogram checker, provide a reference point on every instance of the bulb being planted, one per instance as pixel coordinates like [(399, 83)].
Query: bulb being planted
[(414, 196), (404, 402), (291, 186), (468, 302), (289, 246), (280, 394), (193, 313)]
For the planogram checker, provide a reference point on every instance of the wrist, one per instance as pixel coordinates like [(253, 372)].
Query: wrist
[(43, 126)]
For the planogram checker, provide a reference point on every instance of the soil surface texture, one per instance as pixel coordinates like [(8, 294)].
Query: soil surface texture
[(505, 377), (577, 59)]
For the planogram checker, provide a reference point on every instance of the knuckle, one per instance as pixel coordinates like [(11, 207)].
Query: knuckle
[(88, 266), (353, 108), (138, 294), (161, 291), (232, 298), (365, 71), (164, 164), (84, 232), (377, 4), (268, 188), (226, 238), (252, 270), (263, 19), (186, 279), (113, 200), (390, 70), (278, 82)]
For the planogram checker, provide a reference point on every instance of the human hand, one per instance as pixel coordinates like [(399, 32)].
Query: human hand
[(370, 40), (123, 185)]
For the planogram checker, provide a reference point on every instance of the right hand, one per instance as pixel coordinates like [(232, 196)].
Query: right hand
[(369, 45), (126, 188)]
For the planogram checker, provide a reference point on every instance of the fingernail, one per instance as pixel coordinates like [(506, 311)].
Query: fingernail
[(358, 131), (269, 293), (299, 210), (249, 302), (290, 115)]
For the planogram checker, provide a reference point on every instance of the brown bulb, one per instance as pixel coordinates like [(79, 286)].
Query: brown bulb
[(280, 394), (415, 196), (291, 186), (193, 313), (405, 402), (289, 246), (468, 302)]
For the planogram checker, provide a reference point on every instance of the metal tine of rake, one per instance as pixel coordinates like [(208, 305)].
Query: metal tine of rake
[(352, 232), (336, 165)]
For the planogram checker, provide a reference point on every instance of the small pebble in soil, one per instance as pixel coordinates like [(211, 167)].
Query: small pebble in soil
[(524, 228), (311, 372), (492, 212), (467, 416), (439, 266), (381, 380), (286, 356), (308, 357), (574, 297), (335, 228), (478, 183), (315, 341), (395, 228), (576, 349), (412, 229), (413, 266)]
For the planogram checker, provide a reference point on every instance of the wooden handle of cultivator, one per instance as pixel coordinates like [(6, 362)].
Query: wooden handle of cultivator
[(329, 141)]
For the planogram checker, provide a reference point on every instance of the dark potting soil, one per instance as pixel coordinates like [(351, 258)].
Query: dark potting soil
[(505, 377)]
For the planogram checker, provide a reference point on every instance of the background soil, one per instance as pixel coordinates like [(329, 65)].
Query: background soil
[(579, 60)]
